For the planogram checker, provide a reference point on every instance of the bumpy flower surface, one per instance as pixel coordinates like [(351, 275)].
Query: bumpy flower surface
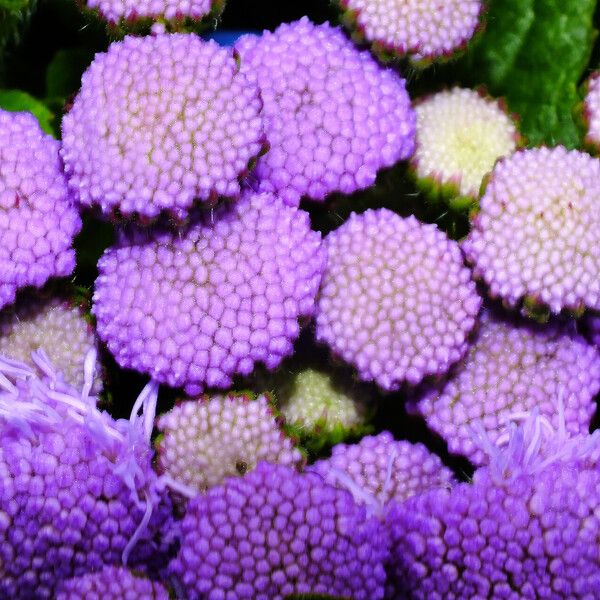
[(526, 527), (160, 122), (591, 110), (193, 308), (425, 29), (111, 583), (38, 220), (537, 234), (53, 324), (396, 300), (513, 367), (276, 532), (380, 469), (205, 441), (312, 401), (333, 115), (173, 13), (460, 135), (77, 489)]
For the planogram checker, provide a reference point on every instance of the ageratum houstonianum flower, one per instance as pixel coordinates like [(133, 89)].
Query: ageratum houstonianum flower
[(423, 29), (55, 325), (203, 441), (527, 525), (591, 110), (195, 307), (536, 237), (111, 583), (333, 115), (77, 488), (276, 532), (460, 135), (379, 470), (396, 300), (159, 123), (38, 219), (512, 367)]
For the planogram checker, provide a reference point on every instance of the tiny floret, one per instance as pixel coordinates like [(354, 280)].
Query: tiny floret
[(591, 111), (460, 135), (159, 123), (396, 300), (38, 219), (536, 237), (333, 115), (193, 308)]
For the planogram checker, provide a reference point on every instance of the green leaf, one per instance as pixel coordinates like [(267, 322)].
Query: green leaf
[(63, 76), (14, 5), (534, 53), (17, 100)]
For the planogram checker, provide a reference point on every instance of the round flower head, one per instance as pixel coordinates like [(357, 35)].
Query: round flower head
[(526, 527), (460, 135), (379, 470), (396, 300), (140, 15), (160, 122), (423, 29), (276, 532), (333, 115), (204, 441), (193, 308), (37, 218), (320, 408), (536, 237), (77, 489), (591, 111), (53, 324), (513, 367), (111, 583)]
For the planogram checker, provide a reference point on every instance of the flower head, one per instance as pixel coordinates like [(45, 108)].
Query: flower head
[(333, 115), (159, 123)]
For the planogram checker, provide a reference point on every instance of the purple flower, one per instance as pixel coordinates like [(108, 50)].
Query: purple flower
[(111, 583), (591, 110), (536, 237), (423, 29), (195, 307), (512, 367), (526, 527), (379, 470), (333, 115), (77, 489), (37, 218), (396, 300), (276, 532), (159, 123)]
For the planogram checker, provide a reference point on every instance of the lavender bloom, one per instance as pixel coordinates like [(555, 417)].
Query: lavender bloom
[(513, 367), (174, 15), (276, 532), (424, 29), (204, 441), (591, 110), (379, 470), (161, 122), (111, 583), (460, 135), (37, 218), (333, 115), (77, 489), (396, 300), (536, 237), (53, 324), (526, 527), (193, 308)]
